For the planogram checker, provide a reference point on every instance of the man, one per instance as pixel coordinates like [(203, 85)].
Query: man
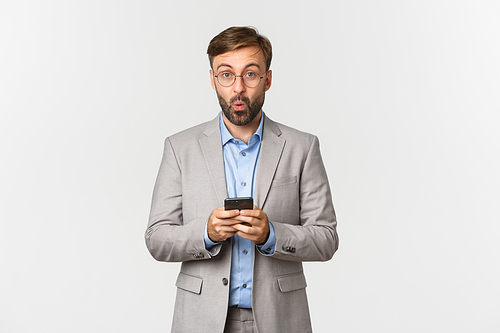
[(241, 270)]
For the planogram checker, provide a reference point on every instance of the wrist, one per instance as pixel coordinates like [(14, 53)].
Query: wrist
[(265, 239)]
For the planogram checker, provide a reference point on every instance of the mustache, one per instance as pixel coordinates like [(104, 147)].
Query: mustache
[(241, 98)]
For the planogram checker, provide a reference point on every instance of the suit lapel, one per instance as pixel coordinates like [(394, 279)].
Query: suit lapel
[(212, 152), (270, 154)]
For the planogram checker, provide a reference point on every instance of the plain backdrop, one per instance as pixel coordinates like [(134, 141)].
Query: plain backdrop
[(403, 95)]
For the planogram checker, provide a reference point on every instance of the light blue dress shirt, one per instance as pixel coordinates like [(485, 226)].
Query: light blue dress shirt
[(240, 165)]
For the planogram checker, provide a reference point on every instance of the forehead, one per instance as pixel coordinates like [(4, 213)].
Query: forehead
[(241, 58)]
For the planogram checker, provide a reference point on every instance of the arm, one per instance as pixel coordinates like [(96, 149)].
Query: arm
[(315, 238), (168, 236)]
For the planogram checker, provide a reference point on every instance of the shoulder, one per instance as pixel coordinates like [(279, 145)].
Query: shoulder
[(188, 134), (293, 136), (293, 132), (194, 134)]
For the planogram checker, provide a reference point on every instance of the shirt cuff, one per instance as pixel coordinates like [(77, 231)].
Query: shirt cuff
[(269, 245), (209, 245)]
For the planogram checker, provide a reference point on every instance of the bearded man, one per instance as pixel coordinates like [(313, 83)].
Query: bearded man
[(241, 269)]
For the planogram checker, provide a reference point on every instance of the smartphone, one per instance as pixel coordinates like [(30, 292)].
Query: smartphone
[(238, 203)]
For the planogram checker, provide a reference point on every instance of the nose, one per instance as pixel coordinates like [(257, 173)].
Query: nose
[(238, 85)]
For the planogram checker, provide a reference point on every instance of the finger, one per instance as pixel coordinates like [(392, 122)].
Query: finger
[(255, 234), (224, 222), (240, 227), (243, 220), (221, 234), (249, 220), (227, 214), (257, 213)]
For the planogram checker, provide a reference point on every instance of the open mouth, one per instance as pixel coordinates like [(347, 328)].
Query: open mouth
[(238, 106)]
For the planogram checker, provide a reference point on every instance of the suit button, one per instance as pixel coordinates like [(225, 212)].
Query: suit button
[(199, 255), (224, 281)]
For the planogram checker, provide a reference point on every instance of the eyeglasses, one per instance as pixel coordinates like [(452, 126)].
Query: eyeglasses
[(250, 79)]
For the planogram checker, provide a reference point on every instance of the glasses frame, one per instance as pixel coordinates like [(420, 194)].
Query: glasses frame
[(239, 75)]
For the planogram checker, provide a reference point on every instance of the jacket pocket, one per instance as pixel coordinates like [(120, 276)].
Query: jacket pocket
[(292, 282), (284, 181), (189, 283)]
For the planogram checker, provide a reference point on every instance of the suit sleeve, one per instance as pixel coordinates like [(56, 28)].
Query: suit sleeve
[(168, 236), (315, 239)]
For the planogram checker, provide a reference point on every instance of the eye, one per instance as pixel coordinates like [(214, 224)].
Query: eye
[(226, 75), (251, 75)]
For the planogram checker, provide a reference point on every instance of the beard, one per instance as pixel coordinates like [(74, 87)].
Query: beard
[(245, 116)]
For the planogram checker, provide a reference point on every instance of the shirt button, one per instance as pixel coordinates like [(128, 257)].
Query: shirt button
[(244, 286), (243, 184), (236, 142), (245, 251), (244, 154)]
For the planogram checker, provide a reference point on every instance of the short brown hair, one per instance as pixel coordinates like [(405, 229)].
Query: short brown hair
[(236, 37)]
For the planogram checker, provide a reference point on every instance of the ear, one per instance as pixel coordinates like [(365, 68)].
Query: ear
[(269, 78), (212, 79)]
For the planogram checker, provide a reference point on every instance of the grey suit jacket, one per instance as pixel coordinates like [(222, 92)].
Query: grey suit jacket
[(291, 187)]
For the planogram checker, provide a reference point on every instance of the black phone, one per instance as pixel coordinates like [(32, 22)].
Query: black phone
[(238, 203)]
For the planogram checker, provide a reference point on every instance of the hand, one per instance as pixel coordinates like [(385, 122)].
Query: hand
[(252, 225), (220, 224)]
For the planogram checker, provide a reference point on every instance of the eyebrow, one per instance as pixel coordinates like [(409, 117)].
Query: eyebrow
[(249, 65)]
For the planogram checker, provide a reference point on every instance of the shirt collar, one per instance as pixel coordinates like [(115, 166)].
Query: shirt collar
[(226, 136)]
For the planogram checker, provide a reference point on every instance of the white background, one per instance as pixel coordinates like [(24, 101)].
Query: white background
[(404, 96)]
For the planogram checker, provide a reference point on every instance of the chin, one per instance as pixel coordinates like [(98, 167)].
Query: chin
[(241, 113)]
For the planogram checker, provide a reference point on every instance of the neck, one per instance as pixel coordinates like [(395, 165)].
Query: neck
[(245, 132)]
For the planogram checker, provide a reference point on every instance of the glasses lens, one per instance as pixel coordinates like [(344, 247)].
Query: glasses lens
[(226, 79), (251, 79)]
